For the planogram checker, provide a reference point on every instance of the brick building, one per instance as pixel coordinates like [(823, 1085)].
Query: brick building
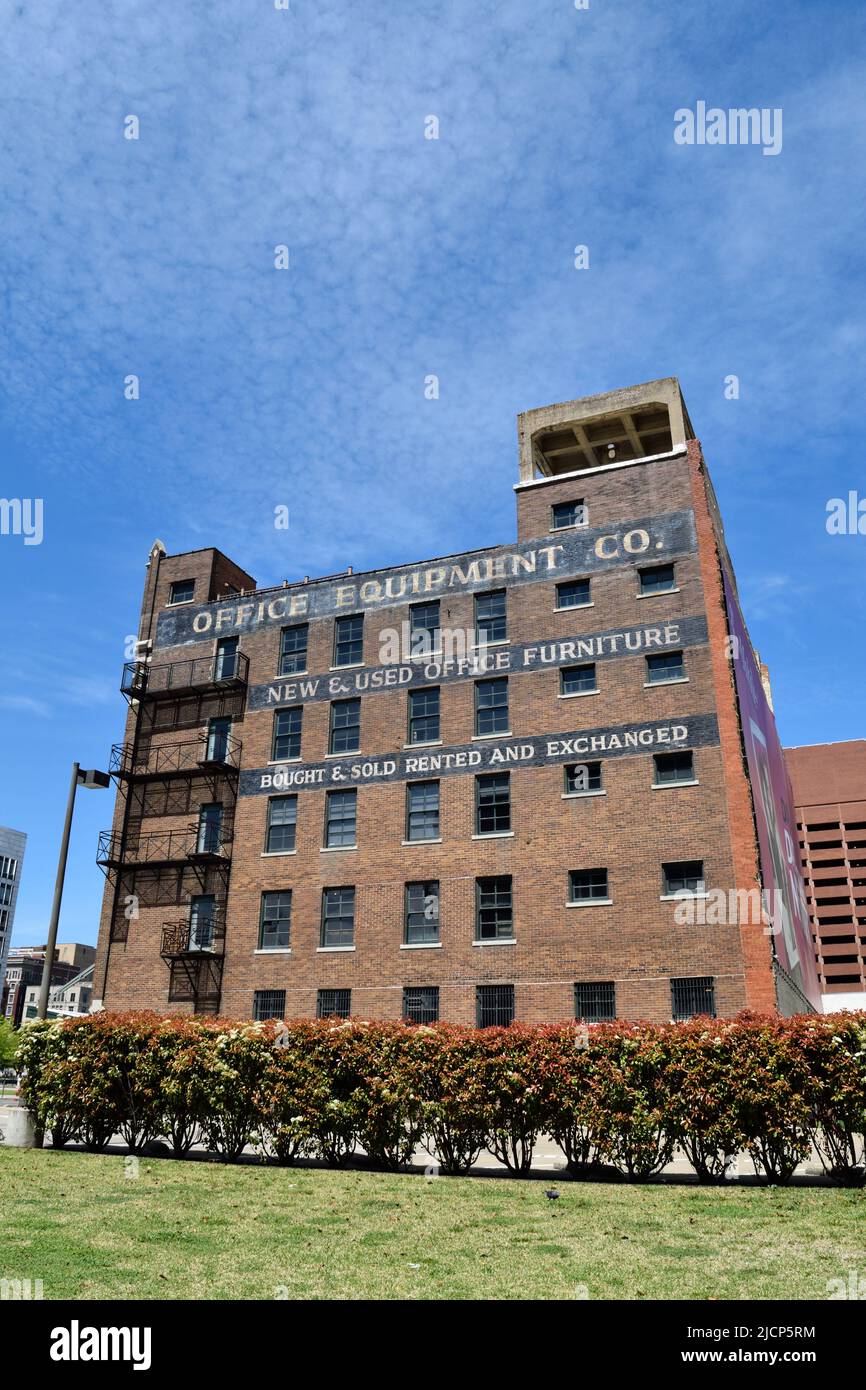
[(829, 785), (475, 787)]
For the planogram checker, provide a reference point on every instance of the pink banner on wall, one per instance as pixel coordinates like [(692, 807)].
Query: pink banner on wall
[(778, 840)]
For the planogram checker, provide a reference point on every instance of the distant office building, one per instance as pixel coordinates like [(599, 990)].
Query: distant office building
[(66, 1000), (24, 972), (829, 784), (12, 846)]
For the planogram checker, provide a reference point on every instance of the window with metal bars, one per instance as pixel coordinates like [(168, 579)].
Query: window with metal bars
[(595, 1001), (581, 778), (349, 640), (341, 818), (269, 1003), (345, 726), (491, 706), (282, 823), (684, 876), (491, 616), (421, 1003), (665, 666), (693, 996), (673, 767), (287, 734), (424, 715), (293, 649), (422, 913), (494, 1006), (422, 811), (657, 579), (568, 514), (577, 680), (275, 922), (493, 803), (338, 917), (333, 1003), (588, 885), (573, 594), (494, 909)]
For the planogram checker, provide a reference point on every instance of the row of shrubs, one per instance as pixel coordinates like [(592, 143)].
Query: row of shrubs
[(621, 1095)]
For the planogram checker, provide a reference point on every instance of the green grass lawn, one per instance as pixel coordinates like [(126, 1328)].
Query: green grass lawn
[(210, 1231)]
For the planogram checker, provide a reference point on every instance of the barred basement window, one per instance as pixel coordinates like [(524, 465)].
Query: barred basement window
[(577, 680), (269, 1003), (421, 1003), (287, 734), (665, 666), (338, 917), (595, 1001), (494, 1006), (333, 1003), (424, 627), (673, 767), (491, 706), (569, 514), (494, 912), (493, 804), (422, 811), (422, 913), (574, 594), (275, 922), (588, 885), (182, 591), (293, 649), (424, 715), (684, 876), (341, 818), (582, 777), (282, 822), (693, 996), (345, 726), (491, 621), (349, 640), (657, 579)]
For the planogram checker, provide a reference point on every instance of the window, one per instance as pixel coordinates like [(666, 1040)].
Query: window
[(581, 778), (574, 594), (665, 666), (182, 591), (287, 734), (595, 1001), (424, 628), (349, 640), (333, 1003), (269, 1003), (491, 706), (494, 1006), (424, 715), (673, 767), (226, 664), (5, 893), (8, 867), (422, 913), (210, 821), (282, 822), (275, 921), (218, 740), (685, 876), (202, 921), (577, 680), (422, 811), (491, 621), (338, 917), (340, 818), (293, 649), (658, 579), (493, 804), (345, 726), (588, 886), (569, 514), (494, 918), (693, 996), (421, 1004)]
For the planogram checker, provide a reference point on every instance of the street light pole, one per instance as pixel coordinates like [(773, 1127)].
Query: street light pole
[(89, 779)]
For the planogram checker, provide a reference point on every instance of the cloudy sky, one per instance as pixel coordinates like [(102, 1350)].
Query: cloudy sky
[(260, 127)]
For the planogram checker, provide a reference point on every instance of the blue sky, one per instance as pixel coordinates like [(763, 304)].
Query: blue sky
[(408, 257)]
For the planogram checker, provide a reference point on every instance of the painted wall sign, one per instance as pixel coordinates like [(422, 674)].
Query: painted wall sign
[(585, 550), (526, 657), (622, 740)]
